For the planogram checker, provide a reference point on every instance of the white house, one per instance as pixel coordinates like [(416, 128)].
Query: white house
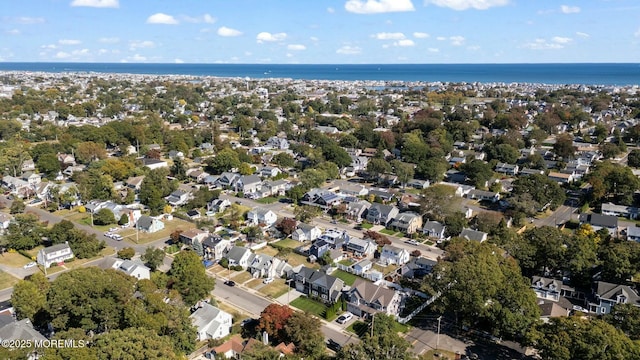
[(306, 232), (239, 256), (261, 215), (54, 254), (131, 268), (211, 322), (394, 255)]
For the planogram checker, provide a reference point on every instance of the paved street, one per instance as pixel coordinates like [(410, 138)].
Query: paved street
[(562, 215)]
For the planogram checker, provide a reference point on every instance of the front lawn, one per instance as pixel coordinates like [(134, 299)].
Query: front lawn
[(276, 289), (267, 200), (309, 305), (7, 280), (348, 278), (366, 226), (387, 231), (358, 327), (254, 283), (242, 277), (169, 227), (14, 259)]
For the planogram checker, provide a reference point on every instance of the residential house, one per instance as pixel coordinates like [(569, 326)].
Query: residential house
[(28, 165), (607, 295), (55, 254), (507, 169), (248, 184), (317, 284), (633, 233), (134, 183), (278, 143), (419, 184), (179, 197), (261, 265), (20, 331), (5, 220), (365, 299), (214, 247), (329, 130), (551, 309), (270, 171), (239, 256), (356, 210), (551, 289), (132, 268), (211, 322), (474, 235), (599, 221), (154, 163), (347, 188), (228, 179), (31, 178), (306, 232), (197, 175), (360, 247), (188, 237), (407, 222), (482, 195), (321, 198), (527, 171), (319, 248), (381, 214), (148, 224), (417, 267), (561, 178), (434, 229), (193, 214), (66, 160), (218, 205), (274, 187), (383, 195), (334, 237), (611, 209), (362, 266), (394, 255), (261, 215)]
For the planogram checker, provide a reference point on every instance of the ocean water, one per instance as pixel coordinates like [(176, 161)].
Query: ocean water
[(583, 73)]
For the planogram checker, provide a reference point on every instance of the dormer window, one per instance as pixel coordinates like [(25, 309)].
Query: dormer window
[(552, 287), (622, 299)]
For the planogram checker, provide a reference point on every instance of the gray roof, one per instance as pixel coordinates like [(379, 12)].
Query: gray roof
[(54, 248), (20, 330), (237, 252), (471, 234), (433, 226), (144, 222), (611, 292), (204, 315)]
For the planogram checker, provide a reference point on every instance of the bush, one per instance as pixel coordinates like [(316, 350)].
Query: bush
[(124, 219), (104, 217), (126, 253), (237, 268), (224, 262)]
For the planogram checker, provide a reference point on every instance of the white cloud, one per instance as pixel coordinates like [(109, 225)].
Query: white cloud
[(637, 33), (420, 35), (389, 36), (97, 3), (141, 44), (265, 36), (566, 9), (69, 42), (26, 20), (313, 38), (404, 43), (109, 40), (289, 55), (441, 38), (349, 50), (13, 32), (102, 51), (161, 18), (582, 34), (378, 6), (228, 32), (468, 4), (457, 40), (62, 55), (206, 18), (331, 10), (138, 57), (561, 40), (433, 50), (473, 47), (296, 47), (50, 46), (542, 44), (178, 61)]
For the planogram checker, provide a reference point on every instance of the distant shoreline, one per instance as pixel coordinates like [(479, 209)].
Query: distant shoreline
[(596, 74)]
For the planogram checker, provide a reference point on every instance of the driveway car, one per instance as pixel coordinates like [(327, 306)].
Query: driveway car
[(230, 283), (30, 265), (268, 280), (344, 318)]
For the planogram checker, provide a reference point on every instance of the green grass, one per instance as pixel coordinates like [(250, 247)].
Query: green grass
[(276, 289), (311, 306), (14, 259), (242, 277), (438, 354), (348, 278), (346, 262), (7, 280), (358, 327), (387, 231), (288, 243), (366, 226), (267, 200)]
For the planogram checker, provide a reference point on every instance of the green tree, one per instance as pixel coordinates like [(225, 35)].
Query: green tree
[(134, 343), (28, 300), (563, 146), (404, 171), (330, 169), (178, 169), (17, 206), (284, 160), (24, 232), (304, 213), (304, 331), (48, 164), (260, 351), (104, 216), (438, 201), (432, 169), (89, 151), (154, 188), (624, 317), (634, 158), (377, 167), (153, 257), (548, 243), (382, 342), (536, 192), (455, 222), (225, 160), (126, 253), (478, 172), (189, 278), (313, 178), (124, 219)]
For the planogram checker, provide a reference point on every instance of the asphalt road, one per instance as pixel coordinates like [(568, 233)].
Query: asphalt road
[(562, 215)]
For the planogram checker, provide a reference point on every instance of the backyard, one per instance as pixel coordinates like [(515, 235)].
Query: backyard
[(288, 243), (348, 278)]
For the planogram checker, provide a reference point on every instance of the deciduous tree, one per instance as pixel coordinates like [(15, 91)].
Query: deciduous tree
[(189, 278)]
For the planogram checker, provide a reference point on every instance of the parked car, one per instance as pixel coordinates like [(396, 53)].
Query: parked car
[(230, 283), (30, 265), (117, 237), (268, 280), (344, 318), (333, 345), (411, 242)]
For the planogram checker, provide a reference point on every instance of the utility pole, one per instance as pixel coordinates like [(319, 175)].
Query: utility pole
[(372, 320), (438, 337)]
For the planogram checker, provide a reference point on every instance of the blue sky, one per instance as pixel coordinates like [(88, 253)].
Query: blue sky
[(320, 31)]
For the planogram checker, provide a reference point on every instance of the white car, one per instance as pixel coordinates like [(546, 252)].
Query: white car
[(30, 265), (268, 280), (344, 318), (412, 242)]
